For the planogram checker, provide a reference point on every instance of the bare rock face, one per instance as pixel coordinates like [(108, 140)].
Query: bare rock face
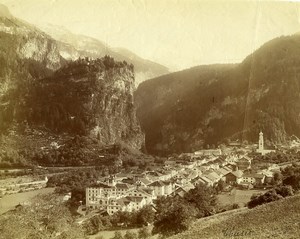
[(41, 89), (88, 97), (41, 49)]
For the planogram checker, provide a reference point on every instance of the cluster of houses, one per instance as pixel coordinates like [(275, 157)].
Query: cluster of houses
[(129, 192), (126, 192)]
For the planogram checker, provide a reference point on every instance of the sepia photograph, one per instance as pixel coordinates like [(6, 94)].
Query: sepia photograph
[(149, 119)]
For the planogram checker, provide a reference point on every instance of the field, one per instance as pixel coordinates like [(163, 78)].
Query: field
[(280, 219), (240, 197), (8, 202)]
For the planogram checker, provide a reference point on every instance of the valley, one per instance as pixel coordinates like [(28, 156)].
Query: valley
[(97, 141)]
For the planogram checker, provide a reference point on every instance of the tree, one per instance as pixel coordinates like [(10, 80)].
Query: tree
[(284, 191), (293, 181), (173, 216), (203, 198), (270, 196), (277, 178), (145, 215), (291, 176), (121, 217), (50, 217)]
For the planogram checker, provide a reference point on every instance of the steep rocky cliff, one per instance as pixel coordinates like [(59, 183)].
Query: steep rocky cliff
[(207, 105), (26, 54), (47, 100), (88, 97)]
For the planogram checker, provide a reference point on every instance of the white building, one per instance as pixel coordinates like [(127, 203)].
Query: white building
[(261, 149)]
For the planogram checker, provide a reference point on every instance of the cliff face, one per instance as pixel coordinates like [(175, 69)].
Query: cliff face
[(26, 54), (88, 97), (39, 89), (207, 105)]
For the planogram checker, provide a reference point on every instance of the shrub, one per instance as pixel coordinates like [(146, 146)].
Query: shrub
[(270, 196)]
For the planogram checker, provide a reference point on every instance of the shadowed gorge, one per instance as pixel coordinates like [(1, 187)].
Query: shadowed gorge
[(206, 105)]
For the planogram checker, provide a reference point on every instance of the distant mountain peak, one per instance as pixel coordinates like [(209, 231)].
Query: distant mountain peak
[(4, 12), (78, 45)]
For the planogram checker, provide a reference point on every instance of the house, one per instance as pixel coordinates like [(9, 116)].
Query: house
[(253, 178), (231, 158), (233, 177), (168, 187), (179, 192), (102, 191), (120, 204), (205, 180), (213, 177), (129, 204), (234, 144), (139, 192), (202, 180), (170, 163), (169, 174), (219, 161), (213, 165), (208, 152), (244, 163), (222, 172), (192, 174), (231, 167), (156, 176), (136, 203), (158, 187), (122, 189)]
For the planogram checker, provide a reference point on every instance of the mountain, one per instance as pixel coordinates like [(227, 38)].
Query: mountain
[(4, 12), (47, 99), (26, 54), (87, 97), (73, 46), (207, 105)]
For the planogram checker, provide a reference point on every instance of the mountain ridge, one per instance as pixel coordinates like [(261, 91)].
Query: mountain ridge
[(86, 46), (207, 105)]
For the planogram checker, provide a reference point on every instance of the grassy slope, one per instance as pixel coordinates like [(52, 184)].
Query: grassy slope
[(279, 219)]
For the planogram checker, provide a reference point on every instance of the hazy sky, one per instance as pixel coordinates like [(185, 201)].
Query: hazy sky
[(178, 34)]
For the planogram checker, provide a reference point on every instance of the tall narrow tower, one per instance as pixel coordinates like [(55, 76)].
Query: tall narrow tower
[(261, 142)]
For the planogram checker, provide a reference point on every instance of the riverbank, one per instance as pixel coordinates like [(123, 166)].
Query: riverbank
[(8, 202)]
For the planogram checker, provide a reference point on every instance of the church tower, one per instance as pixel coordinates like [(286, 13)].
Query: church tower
[(261, 142)]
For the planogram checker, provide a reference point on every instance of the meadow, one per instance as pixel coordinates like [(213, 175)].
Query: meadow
[(280, 219), (240, 197)]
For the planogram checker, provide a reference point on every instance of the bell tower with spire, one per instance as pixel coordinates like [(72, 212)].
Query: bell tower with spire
[(261, 142)]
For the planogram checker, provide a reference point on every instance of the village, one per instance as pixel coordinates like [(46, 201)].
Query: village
[(232, 167)]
